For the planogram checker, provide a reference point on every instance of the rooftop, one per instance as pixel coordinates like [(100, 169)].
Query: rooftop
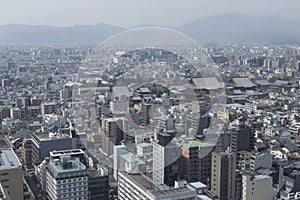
[(8, 159), (243, 82), (210, 83), (198, 143)]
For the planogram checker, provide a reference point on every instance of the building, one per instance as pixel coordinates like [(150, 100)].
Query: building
[(196, 159), (223, 167), (3, 193), (263, 160), (291, 186), (66, 178), (48, 108), (138, 186), (257, 187), (242, 138), (113, 133), (15, 113), (11, 174), (27, 153), (145, 114), (166, 161), (44, 143), (98, 185)]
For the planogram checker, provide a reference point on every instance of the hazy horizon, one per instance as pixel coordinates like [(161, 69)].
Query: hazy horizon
[(131, 13)]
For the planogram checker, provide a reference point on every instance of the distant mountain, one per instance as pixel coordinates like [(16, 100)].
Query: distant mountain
[(243, 28), (16, 33), (217, 28)]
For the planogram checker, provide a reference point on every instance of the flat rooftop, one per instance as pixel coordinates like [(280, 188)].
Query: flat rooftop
[(8, 159), (198, 143), (155, 190)]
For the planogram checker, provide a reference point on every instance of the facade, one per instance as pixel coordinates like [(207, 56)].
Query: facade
[(11, 174), (197, 161), (44, 143), (223, 167), (27, 153), (242, 138), (166, 163), (113, 133), (66, 178), (260, 161), (291, 186), (257, 187), (48, 108), (145, 114), (98, 186)]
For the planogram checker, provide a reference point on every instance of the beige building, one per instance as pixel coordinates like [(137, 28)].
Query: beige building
[(223, 168), (11, 176), (257, 187)]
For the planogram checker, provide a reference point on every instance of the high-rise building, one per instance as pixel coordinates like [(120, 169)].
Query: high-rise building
[(197, 161), (66, 178), (145, 114), (113, 133), (11, 174), (223, 168), (242, 138), (166, 160)]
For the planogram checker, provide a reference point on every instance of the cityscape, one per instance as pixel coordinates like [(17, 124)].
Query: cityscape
[(150, 112)]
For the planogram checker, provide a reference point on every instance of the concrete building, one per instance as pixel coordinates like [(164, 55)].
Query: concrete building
[(197, 161), (138, 186), (223, 175), (145, 114), (242, 138), (26, 153), (15, 113), (48, 108), (113, 133), (291, 186), (98, 185), (263, 160), (44, 143), (11, 174), (166, 162), (66, 178), (257, 187)]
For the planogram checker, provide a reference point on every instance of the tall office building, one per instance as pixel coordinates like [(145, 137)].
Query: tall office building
[(223, 168), (11, 174)]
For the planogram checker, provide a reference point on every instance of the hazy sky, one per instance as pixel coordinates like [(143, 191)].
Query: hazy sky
[(128, 13)]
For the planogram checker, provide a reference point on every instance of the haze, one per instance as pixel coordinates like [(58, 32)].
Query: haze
[(129, 13)]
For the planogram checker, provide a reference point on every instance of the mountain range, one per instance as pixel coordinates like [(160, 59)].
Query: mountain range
[(220, 28)]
